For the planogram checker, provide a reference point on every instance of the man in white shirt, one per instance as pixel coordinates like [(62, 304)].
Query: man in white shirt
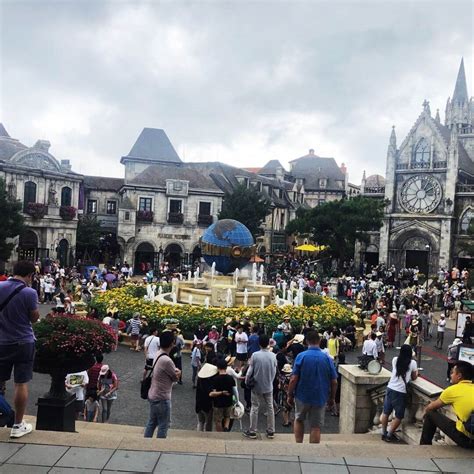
[(152, 346), (440, 333), (370, 347)]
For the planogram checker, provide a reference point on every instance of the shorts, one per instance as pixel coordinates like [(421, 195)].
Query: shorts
[(395, 401), (314, 413), (148, 364), (18, 357), (242, 357), (219, 413), (134, 337)]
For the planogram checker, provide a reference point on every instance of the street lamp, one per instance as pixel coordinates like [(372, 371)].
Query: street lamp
[(428, 249)]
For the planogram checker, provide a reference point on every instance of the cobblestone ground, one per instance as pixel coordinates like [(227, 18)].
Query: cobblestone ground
[(130, 409)]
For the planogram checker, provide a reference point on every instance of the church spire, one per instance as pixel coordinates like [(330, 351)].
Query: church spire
[(460, 90), (393, 138), (437, 118)]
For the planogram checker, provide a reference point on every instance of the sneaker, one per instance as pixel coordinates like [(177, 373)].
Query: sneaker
[(20, 430), (392, 438), (250, 434), (270, 434)]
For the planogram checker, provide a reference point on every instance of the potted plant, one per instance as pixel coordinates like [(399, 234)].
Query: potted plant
[(145, 216), (36, 210), (65, 344), (68, 213)]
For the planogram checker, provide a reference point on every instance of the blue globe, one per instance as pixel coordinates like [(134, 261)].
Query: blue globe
[(229, 244)]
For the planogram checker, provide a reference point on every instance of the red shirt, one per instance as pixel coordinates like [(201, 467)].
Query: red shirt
[(93, 373), (3, 278)]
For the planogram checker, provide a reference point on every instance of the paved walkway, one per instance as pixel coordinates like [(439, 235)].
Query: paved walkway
[(18, 458)]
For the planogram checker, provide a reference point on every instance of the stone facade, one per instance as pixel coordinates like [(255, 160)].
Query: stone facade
[(429, 187)]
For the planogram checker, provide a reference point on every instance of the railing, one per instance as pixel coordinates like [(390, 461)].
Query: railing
[(374, 190), (175, 218), (465, 188), (422, 165), (205, 219), (145, 216)]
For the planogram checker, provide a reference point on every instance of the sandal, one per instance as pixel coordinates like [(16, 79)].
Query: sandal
[(286, 425)]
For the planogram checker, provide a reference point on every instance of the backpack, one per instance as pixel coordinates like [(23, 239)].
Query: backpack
[(469, 424)]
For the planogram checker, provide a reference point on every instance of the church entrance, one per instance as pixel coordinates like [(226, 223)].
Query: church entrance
[(417, 258), (173, 255), (371, 258)]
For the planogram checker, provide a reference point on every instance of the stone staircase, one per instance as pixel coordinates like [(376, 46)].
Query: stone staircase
[(124, 437)]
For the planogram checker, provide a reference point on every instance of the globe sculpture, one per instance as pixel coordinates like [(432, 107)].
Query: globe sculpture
[(228, 244)]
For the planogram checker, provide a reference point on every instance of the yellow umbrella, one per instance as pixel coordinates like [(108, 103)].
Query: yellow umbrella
[(307, 248)]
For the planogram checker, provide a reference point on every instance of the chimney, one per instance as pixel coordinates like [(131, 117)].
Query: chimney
[(66, 165), (343, 168), (311, 151)]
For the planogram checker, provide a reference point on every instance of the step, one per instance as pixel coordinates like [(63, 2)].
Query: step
[(120, 437)]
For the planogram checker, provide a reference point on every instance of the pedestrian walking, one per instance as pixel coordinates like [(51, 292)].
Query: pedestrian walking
[(164, 375), (260, 377), (313, 385), (404, 369), (203, 400), (440, 332), (18, 310), (107, 386)]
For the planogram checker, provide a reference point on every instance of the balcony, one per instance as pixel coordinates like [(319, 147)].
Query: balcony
[(422, 165), (465, 188), (36, 210), (175, 218), (145, 216), (205, 219), (67, 213), (374, 190)]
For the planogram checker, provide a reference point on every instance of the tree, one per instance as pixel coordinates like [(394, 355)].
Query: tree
[(247, 206), (338, 224), (88, 237), (13, 222)]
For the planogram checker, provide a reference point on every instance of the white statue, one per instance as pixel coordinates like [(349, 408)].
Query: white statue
[(246, 297), (190, 275), (236, 276), (277, 300), (190, 299), (206, 302), (300, 297), (196, 276), (261, 274), (173, 297), (228, 300), (262, 302), (290, 297), (283, 287), (160, 290)]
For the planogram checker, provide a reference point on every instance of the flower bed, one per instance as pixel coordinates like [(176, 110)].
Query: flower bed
[(36, 210), (326, 314)]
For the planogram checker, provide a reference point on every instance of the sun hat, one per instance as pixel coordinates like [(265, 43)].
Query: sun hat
[(136, 315), (457, 341), (228, 320), (272, 342), (285, 318), (442, 316), (104, 369), (415, 322), (393, 316), (213, 326), (287, 369), (298, 338), (280, 326), (378, 333), (207, 371), (230, 360)]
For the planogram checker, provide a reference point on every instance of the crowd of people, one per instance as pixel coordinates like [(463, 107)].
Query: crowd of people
[(292, 370)]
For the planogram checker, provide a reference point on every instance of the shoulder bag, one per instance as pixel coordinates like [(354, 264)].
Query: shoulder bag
[(146, 382)]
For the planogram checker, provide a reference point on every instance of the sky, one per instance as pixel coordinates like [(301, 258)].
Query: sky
[(240, 82)]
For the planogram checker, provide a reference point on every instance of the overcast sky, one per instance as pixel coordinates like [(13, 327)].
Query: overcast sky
[(235, 81)]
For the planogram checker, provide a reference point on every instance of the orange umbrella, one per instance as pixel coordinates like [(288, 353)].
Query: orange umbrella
[(256, 259)]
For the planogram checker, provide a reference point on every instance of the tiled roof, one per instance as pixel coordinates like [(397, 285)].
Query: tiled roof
[(103, 183), (3, 132), (312, 168), (154, 145)]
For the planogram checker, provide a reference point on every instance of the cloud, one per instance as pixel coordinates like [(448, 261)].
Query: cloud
[(242, 82)]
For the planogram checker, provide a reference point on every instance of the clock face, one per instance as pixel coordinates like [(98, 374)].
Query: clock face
[(420, 194)]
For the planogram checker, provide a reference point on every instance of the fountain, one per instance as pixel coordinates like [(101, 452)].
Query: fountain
[(236, 276), (195, 278), (283, 286), (290, 297), (190, 299), (246, 297), (300, 297), (261, 274), (174, 298), (228, 300), (190, 275), (160, 290), (254, 274), (206, 302), (213, 270), (262, 302)]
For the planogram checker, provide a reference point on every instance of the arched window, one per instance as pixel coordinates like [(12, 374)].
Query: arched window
[(422, 153), (29, 193), (466, 220), (66, 196)]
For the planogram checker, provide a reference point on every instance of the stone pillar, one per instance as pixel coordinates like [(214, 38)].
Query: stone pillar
[(357, 409)]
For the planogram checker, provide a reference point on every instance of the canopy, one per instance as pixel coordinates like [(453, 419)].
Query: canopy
[(469, 304), (310, 248)]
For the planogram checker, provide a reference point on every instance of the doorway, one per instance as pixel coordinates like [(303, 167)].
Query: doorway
[(144, 258), (371, 258), (417, 258)]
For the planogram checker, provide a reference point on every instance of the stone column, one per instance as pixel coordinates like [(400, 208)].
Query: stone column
[(357, 408)]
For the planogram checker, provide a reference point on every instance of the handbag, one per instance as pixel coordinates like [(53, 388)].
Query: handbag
[(237, 411), (145, 384)]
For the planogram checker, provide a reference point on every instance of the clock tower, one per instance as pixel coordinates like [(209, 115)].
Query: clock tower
[(422, 188)]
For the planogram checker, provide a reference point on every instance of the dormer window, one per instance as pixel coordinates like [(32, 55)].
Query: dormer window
[(322, 182)]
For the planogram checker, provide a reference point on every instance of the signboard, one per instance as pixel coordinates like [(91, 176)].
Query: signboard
[(461, 322), (466, 353)]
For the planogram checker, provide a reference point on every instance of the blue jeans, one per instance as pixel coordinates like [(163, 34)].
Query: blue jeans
[(160, 416)]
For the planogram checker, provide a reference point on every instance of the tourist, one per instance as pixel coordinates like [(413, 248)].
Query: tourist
[(93, 373), (313, 385), (221, 394), (151, 348), (259, 378), (203, 405), (253, 344), (440, 332), (284, 381), (91, 408), (196, 360), (393, 327), (460, 395), (17, 340), (134, 328), (380, 347), (213, 336), (164, 375), (295, 346), (452, 354), (287, 329), (369, 348), (107, 386), (241, 340), (175, 353), (200, 333), (333, 345), (114, 324), (76, 385), (404, 369), (279, 337), (210, 355)]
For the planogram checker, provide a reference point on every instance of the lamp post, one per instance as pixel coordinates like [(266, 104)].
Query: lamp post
[(428, 249)]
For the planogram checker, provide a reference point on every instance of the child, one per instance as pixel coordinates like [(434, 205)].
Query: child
[(91, 408), (196, 360)]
